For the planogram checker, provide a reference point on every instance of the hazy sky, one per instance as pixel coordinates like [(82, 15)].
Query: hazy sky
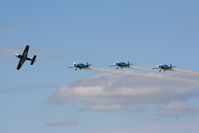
[(48, 97)]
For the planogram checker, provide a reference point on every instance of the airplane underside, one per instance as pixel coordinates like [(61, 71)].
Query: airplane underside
[(24, 57)]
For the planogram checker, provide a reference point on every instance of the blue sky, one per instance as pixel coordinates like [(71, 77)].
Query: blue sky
[(49, 97)]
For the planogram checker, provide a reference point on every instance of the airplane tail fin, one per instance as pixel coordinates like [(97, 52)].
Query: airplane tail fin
[(88, 64), (172, 66), (129, 63), (33, 60)]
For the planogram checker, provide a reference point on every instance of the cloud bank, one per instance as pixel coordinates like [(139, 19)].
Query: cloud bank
[(28, 88), (115, 92), (178, 108), (63, 123), (158, 128)]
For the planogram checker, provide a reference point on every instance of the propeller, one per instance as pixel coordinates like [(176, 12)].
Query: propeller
[(115, 63), (74, 64), (16, 54)]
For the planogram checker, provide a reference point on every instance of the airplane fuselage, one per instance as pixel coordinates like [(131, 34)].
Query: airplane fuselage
[(81, 66), (23, 57), (165, 67), (122, 64)]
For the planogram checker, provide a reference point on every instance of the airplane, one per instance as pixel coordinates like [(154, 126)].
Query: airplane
[(165, 67), (24, 57), (80, 66), (121, 64)]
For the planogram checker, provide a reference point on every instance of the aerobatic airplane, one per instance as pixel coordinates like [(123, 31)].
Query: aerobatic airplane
[(24, 57), (80, 66), (121, 64), (164, 67)]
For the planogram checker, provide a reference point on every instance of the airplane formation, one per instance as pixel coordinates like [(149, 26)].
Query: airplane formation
[(24, 56)]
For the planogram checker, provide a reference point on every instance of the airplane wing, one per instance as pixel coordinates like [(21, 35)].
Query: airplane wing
[(25, 52), (22, 60)]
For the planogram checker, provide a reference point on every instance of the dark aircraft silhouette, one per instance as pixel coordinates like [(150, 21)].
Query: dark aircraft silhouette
[(24, 57)]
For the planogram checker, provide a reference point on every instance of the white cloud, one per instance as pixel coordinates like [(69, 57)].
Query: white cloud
[(158, 128), (63, 123), (8, 53), (27, 88), (102, 107), (115, 92), (178, 108)]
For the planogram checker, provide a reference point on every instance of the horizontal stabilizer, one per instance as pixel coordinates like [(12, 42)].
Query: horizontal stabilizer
[(33, 60)]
